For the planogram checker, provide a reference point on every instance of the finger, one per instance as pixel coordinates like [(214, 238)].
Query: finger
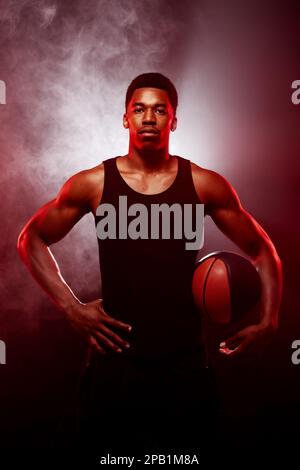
[(104, 340), (114, 337), (234, 352), (96, 346), (111, 320), (116, 323), (231, 342), (225, 351)]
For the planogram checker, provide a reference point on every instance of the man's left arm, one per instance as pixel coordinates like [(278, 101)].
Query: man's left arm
[(224, 207)]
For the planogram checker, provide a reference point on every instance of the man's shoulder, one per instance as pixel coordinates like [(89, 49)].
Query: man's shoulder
[(206, 181), (201, 172), (212, 188), (91, 174), (83, 186), (89, 178)]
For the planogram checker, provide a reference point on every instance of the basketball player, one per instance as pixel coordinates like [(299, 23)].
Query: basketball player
[(146, 347)]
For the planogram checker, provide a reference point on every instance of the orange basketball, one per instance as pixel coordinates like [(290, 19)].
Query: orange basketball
[(225, 286)]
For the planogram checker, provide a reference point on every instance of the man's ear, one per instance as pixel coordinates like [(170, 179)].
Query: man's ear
[(125, 121), (174, 124)]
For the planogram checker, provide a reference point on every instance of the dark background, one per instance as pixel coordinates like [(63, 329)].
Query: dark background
[(67, 66)]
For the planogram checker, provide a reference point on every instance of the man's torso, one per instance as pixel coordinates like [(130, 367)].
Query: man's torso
[(146, 278)]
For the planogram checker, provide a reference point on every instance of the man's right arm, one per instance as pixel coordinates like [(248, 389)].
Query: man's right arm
[(49, 225)]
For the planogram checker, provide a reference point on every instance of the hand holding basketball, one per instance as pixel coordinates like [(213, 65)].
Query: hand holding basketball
[(226, 289), (253, 338)]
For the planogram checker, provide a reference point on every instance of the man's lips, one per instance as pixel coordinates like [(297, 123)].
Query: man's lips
[(148, 131)]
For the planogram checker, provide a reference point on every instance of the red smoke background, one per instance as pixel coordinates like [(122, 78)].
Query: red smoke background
[(66, 66)]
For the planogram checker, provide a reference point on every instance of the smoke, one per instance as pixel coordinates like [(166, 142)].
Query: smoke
[(67, 65)]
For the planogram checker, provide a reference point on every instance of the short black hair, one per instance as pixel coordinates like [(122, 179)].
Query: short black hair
[(153, 80)]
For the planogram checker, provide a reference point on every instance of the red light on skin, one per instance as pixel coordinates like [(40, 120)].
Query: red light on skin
[(149, 109)]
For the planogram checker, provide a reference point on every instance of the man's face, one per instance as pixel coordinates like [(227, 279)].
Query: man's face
[(149, 118)]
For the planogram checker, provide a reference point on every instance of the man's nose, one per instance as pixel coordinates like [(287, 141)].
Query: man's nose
[(149, 116)]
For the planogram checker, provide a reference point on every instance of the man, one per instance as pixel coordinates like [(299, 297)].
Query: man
[(147, 365)]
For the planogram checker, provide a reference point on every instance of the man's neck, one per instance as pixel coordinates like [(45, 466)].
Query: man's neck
[(149, 160)]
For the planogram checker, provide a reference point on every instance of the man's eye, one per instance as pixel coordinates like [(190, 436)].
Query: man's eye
[(137, 110), (160, 110)]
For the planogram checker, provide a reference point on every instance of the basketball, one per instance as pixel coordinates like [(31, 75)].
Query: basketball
[(225, 287)]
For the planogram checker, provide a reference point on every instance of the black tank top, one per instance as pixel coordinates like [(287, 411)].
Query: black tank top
[(148, 282)]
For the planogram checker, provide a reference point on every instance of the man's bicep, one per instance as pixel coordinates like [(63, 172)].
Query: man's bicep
[(240, 227), (225, 209), (55, 219)]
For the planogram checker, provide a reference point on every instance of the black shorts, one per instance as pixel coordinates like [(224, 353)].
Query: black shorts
[(146, 404)]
